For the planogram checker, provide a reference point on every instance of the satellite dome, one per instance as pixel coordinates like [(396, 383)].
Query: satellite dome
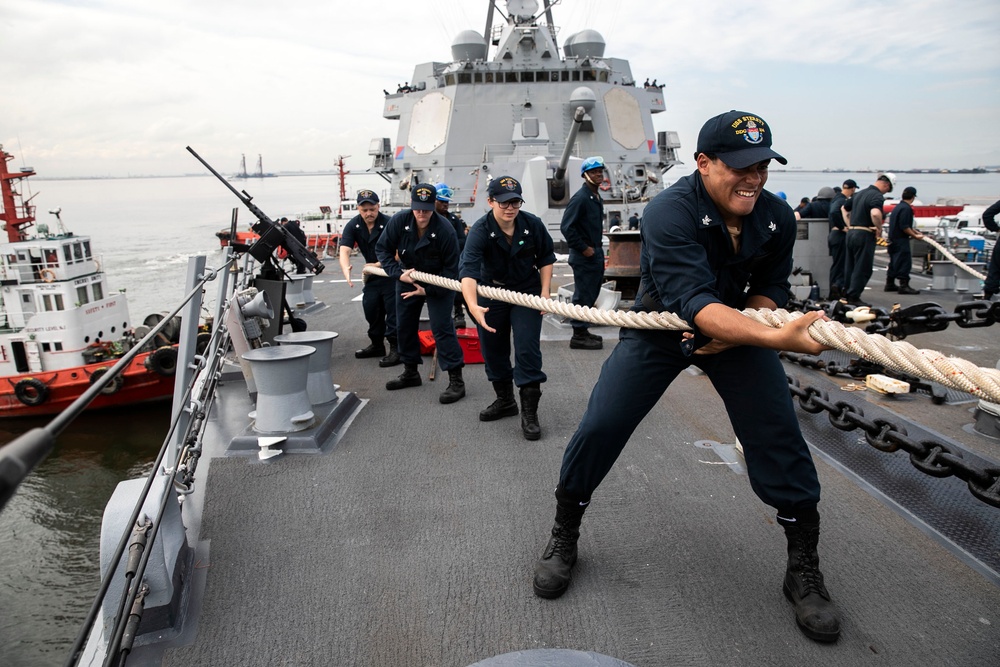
[(468, 45), (582, 97), (584, 44)]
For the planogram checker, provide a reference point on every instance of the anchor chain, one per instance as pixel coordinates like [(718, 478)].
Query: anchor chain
[(928, 456)]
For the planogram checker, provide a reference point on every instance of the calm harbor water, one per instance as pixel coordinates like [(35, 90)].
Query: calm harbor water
[(144, 230)]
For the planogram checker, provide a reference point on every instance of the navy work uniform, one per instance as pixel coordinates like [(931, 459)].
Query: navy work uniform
[(583, 227), (435, 252), (492, 261), (684, 225), (378, 298), (900, 254), (860, 258)]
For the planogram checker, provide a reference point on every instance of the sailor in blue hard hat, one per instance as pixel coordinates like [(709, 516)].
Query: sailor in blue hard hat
[(419, 239), (583, 228), (713, 243), (442, 206)]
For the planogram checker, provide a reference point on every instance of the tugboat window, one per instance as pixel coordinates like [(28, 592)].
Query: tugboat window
[(81, 295), (86, 250), (78, 252), (57, 346), (98, 292), (45, 347), (68, 253), (59, 302), (46, 302)]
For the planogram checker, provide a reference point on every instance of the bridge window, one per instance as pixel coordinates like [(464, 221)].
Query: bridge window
[(68, 254), (78, 252), (58, 298), (489, 77), (81, 295), (46, 302), (449, 79), (589, 75), (527, 76), (542, 76), (510, 77), (86, 250), (576, 75), (464, 78), (477, 77), (98, 292)]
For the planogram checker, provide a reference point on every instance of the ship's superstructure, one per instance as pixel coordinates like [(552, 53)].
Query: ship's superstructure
[(467, 121)]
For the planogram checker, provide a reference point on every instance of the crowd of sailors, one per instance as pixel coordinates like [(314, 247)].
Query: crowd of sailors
[(714, 243)]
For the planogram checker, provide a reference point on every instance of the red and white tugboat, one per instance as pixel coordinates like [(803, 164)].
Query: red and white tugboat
[(61, 328)]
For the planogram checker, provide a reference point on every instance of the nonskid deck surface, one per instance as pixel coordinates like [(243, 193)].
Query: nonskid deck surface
[(412, 541)]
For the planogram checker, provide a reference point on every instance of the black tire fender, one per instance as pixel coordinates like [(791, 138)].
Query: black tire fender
[(31, 391), (163, 360), (113, 386)]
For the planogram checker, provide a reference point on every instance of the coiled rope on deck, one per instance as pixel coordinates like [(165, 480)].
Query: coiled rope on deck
[(900, 356)]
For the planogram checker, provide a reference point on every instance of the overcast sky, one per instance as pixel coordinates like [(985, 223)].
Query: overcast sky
[(120, 87)]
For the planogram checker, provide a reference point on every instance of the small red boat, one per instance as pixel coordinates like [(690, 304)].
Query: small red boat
[(61, 327)]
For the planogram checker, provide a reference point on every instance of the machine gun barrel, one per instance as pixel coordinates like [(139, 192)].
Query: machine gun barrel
[(271, 235)]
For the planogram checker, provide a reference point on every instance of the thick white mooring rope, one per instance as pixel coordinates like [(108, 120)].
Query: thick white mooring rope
[(955, 260), (900, 356)]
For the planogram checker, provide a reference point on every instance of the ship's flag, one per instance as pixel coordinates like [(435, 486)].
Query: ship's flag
[(652, 146), (399, 152)]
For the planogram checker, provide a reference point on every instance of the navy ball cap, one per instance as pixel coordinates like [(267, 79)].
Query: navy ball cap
[(738, 138)]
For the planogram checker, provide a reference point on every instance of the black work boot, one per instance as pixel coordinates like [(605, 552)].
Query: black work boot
[(890, 285), (391, 359), (504, 406), (376, 349), (456, 387), (530, 393), (584, 340), (815, 614), (409, 378), (904, 288), (553, 571), (459, 318)]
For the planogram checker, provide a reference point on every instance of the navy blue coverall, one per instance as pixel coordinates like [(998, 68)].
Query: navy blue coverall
[(583, 227), (687, 262), (860, 257), (491, 261), (460, 234), (435, 252), (836, 242), (900, 254), (378, 296)]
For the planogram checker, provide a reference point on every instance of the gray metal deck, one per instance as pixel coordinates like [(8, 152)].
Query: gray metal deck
[(412, 542)]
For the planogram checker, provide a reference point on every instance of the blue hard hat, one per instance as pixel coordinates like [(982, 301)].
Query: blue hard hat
[(782, 195), (444, 193), (596, 162)]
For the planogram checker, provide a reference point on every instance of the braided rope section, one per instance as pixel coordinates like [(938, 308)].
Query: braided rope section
[(955, 260), (900, 356)]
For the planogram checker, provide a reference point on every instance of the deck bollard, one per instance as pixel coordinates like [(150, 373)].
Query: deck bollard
[(308, 298), (280, 374), (320, 386), (293, 292)]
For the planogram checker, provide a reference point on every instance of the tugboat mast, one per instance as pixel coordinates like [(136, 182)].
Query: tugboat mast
[(15, 225)]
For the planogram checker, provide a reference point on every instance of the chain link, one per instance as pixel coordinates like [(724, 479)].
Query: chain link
[(928, 456)]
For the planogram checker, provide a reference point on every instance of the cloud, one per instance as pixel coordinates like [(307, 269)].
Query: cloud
[(115, 86)]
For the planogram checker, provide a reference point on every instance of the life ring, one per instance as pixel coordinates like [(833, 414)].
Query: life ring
[(31, 391), (48, 275), (163, 361), (605, 185), (113, 386)]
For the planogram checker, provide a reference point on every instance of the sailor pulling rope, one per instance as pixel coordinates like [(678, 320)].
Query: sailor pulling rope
[(900, 356)]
